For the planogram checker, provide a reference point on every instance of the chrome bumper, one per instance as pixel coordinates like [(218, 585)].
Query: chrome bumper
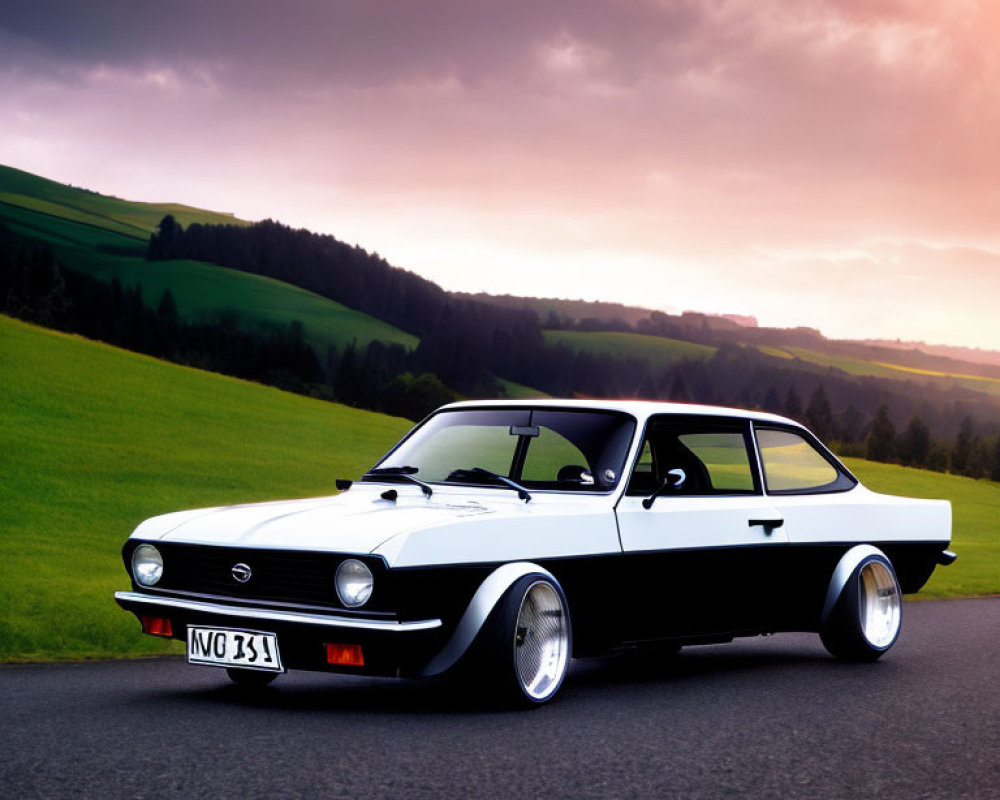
[(126, 599)]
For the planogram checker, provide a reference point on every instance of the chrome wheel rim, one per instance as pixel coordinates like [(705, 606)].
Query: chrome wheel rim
[(541, 641), (879, 605)]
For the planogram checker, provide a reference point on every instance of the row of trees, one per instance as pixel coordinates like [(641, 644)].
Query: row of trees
[(33, 287), (464, 350), (971, 454), (467, 342)]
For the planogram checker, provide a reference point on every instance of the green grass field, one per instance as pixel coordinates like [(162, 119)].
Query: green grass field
[(102, 237), (976, 523), (125, 216), (95, 439), (657, 350), (518, 391)]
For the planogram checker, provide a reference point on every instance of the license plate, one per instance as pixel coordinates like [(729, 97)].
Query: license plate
[(232, 647)]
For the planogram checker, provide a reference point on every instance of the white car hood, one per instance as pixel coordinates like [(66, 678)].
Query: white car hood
[(357, 521)]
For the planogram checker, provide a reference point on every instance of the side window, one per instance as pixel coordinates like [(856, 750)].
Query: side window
[(792, 464), (725, 458), (713, 453), (549, 455)]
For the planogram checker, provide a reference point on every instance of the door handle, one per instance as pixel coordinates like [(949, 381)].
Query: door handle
[(768, 524)]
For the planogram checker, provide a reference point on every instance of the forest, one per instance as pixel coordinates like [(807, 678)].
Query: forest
[(468, 344)]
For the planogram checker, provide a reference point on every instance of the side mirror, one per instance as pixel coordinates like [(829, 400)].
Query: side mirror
[(678, 476), (674, 480)]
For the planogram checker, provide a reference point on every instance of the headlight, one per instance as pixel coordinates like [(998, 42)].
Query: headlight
[(354, 583), (147, 565)]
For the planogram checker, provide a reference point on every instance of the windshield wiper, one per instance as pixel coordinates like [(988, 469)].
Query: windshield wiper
[(402, 473), (522, 493)]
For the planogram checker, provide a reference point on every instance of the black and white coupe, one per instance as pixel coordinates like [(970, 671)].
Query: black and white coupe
[(503, 538)]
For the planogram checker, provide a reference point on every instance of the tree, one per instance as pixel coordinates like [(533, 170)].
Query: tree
[(819, 415), (166, 243), (679, 391), (848, 425), (771, 402), (793, 404), (995, 466), (961, 454), (166, 310), (914, 443), (881, 436), (979, 460), (416, 397), (937, 458)]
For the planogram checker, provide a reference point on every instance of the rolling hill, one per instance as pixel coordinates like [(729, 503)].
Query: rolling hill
[(985, 384), (106, 237), (659, 351), (95, 439)]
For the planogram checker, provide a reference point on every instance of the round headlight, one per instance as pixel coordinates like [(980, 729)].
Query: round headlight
[(354, 583), (147, 565)]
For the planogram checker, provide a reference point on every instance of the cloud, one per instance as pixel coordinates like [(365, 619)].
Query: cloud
[(684, 138)]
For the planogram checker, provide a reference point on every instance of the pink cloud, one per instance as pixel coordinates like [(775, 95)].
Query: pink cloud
[(691, 145)]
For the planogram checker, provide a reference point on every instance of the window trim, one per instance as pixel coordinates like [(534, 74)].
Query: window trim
[(708, 422), (844, 482)]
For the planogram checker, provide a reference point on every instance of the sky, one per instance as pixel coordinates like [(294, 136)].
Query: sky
[(828, 163)]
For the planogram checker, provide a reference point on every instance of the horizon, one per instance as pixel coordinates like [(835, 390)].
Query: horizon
[(827, 165), (746, 320)]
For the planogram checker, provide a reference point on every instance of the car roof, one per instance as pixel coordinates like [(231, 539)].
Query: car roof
[(641, 409)]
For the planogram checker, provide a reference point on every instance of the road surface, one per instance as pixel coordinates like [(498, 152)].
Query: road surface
[(760, 718)]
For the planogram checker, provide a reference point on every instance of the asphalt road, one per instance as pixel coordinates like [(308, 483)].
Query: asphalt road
[(760, 718)]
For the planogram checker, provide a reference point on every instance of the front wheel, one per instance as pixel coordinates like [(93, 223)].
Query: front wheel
[(529, 641), (866, 619)]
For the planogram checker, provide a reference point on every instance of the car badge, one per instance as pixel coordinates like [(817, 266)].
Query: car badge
[(241, 572)]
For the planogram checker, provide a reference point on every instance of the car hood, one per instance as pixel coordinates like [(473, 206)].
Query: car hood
[(357, 521)]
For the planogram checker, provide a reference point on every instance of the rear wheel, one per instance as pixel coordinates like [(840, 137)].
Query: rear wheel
[(866, 619), (527, 645), (250, 678)]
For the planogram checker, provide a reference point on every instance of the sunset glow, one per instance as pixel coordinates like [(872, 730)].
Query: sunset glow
[(830, 164)]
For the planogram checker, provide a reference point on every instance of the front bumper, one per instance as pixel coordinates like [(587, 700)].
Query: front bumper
[(391, 647)]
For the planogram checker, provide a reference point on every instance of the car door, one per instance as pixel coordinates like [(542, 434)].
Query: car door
[(824, 517), (700, 557)]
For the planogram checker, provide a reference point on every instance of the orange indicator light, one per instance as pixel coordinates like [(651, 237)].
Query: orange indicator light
[(349, 655), (157, 626)]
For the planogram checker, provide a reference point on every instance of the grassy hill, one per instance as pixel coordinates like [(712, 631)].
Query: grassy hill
[(106, 237), (130, 218), (660, 352), (885, 369), (95, 439)]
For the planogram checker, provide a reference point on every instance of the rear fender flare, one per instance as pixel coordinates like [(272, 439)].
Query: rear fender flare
[(842, 573)]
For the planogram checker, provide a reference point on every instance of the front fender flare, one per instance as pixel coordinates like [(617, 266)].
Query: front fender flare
[(482, 604)]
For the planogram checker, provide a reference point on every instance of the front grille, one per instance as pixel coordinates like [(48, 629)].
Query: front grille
[(281, 576)]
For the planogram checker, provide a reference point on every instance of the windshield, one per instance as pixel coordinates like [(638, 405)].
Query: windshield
[(539, 449)]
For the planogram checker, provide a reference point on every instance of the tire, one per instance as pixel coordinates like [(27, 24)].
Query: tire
[(250, 679), (527, 643), (866, 619)]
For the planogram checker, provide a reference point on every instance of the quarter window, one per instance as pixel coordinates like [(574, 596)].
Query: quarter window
[(792, 464)]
